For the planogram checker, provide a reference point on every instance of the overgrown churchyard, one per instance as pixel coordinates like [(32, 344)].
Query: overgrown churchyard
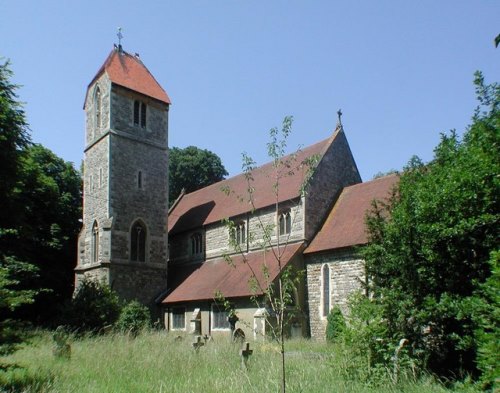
[(292, 276)]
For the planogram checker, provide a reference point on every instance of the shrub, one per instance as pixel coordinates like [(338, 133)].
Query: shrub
[(134, 317), (94, 307), (335, 324)]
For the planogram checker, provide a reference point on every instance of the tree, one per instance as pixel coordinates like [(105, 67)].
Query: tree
[(48, 191), (430, 246), (192, 168), (278, 294), (14, 137)]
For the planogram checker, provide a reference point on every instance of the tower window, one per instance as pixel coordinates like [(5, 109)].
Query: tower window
[(98, 103), (285, 222), (140, 112), (143, 115), (95, 243), (139, 180), (325, 273), (196, 244), (138, 242), (136, 112)]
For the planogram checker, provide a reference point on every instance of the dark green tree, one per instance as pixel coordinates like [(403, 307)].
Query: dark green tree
[(192, 168), (48, 191), (430, 246), (14, 137)]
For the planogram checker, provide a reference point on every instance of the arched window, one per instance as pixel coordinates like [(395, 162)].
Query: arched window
[(143, 115), (285, 222), (196, 244), (325, 273), (138, 236), (239, 233), (98, 103), (136, 112), (140, 111), (95, 243)]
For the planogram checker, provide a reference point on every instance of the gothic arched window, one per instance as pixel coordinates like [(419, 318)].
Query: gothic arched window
[(285, 222), (98, 104), (94, 255), (140, 111), (325, 273), (138, 237), (196, 244)]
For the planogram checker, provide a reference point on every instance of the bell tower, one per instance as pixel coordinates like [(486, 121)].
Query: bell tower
[(124, 236)]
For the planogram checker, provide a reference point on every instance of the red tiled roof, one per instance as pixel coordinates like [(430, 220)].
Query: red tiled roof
[(231, 280), (345, 225), (212, 204), (129, 71)]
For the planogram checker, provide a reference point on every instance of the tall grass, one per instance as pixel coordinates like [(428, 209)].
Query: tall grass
[(156, 362)]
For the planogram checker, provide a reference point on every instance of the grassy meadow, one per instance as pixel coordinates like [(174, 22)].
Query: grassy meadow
[(156, 362)]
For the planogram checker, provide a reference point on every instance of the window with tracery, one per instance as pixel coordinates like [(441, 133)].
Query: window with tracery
[(285, 222), (196, 244), (138, 242), (238, 233)]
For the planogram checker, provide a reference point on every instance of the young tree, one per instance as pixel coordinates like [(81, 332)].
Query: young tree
[(430, 246), (192, 168), (278, 294)]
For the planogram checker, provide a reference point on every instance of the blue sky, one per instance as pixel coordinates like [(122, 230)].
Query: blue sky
[(401, 71)]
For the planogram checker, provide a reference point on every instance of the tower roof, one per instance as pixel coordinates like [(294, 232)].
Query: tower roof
[(129, 71)]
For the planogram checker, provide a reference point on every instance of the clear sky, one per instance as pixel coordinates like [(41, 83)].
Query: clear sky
[(401, 71)]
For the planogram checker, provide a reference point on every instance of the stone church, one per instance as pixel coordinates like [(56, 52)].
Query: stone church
[(181, 262)]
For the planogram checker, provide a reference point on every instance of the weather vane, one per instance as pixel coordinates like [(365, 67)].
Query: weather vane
[(120, 36)]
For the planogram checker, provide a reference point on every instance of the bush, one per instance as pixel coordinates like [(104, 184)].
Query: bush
[(94, 307), (134, 317), (335, 324)]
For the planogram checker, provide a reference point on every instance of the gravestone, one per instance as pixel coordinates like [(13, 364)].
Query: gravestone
[(245, 353), (62, 350), (197, 344)]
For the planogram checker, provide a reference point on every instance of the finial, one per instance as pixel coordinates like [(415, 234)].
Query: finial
[(339, 114), (120, 36)]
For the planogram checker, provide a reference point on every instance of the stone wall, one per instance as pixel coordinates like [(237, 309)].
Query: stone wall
[(216, 235), (347, 274), (336, 170)]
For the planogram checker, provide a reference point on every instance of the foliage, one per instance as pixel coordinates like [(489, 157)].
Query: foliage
[(430, 245), (12, 297), (94, 307), (335, 325), (14, 271), (14, 137), (134, 317), (486, 307), (40, 198), (48, 193), (192, 168)]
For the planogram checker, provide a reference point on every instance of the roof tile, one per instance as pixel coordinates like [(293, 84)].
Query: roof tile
[(345, 225), (211, 204), (232, 280), (129, 71)]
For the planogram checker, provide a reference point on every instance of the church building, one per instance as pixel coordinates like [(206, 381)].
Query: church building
[(202, 261)]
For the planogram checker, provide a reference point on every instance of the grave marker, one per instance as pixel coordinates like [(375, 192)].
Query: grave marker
[(245, 354)]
